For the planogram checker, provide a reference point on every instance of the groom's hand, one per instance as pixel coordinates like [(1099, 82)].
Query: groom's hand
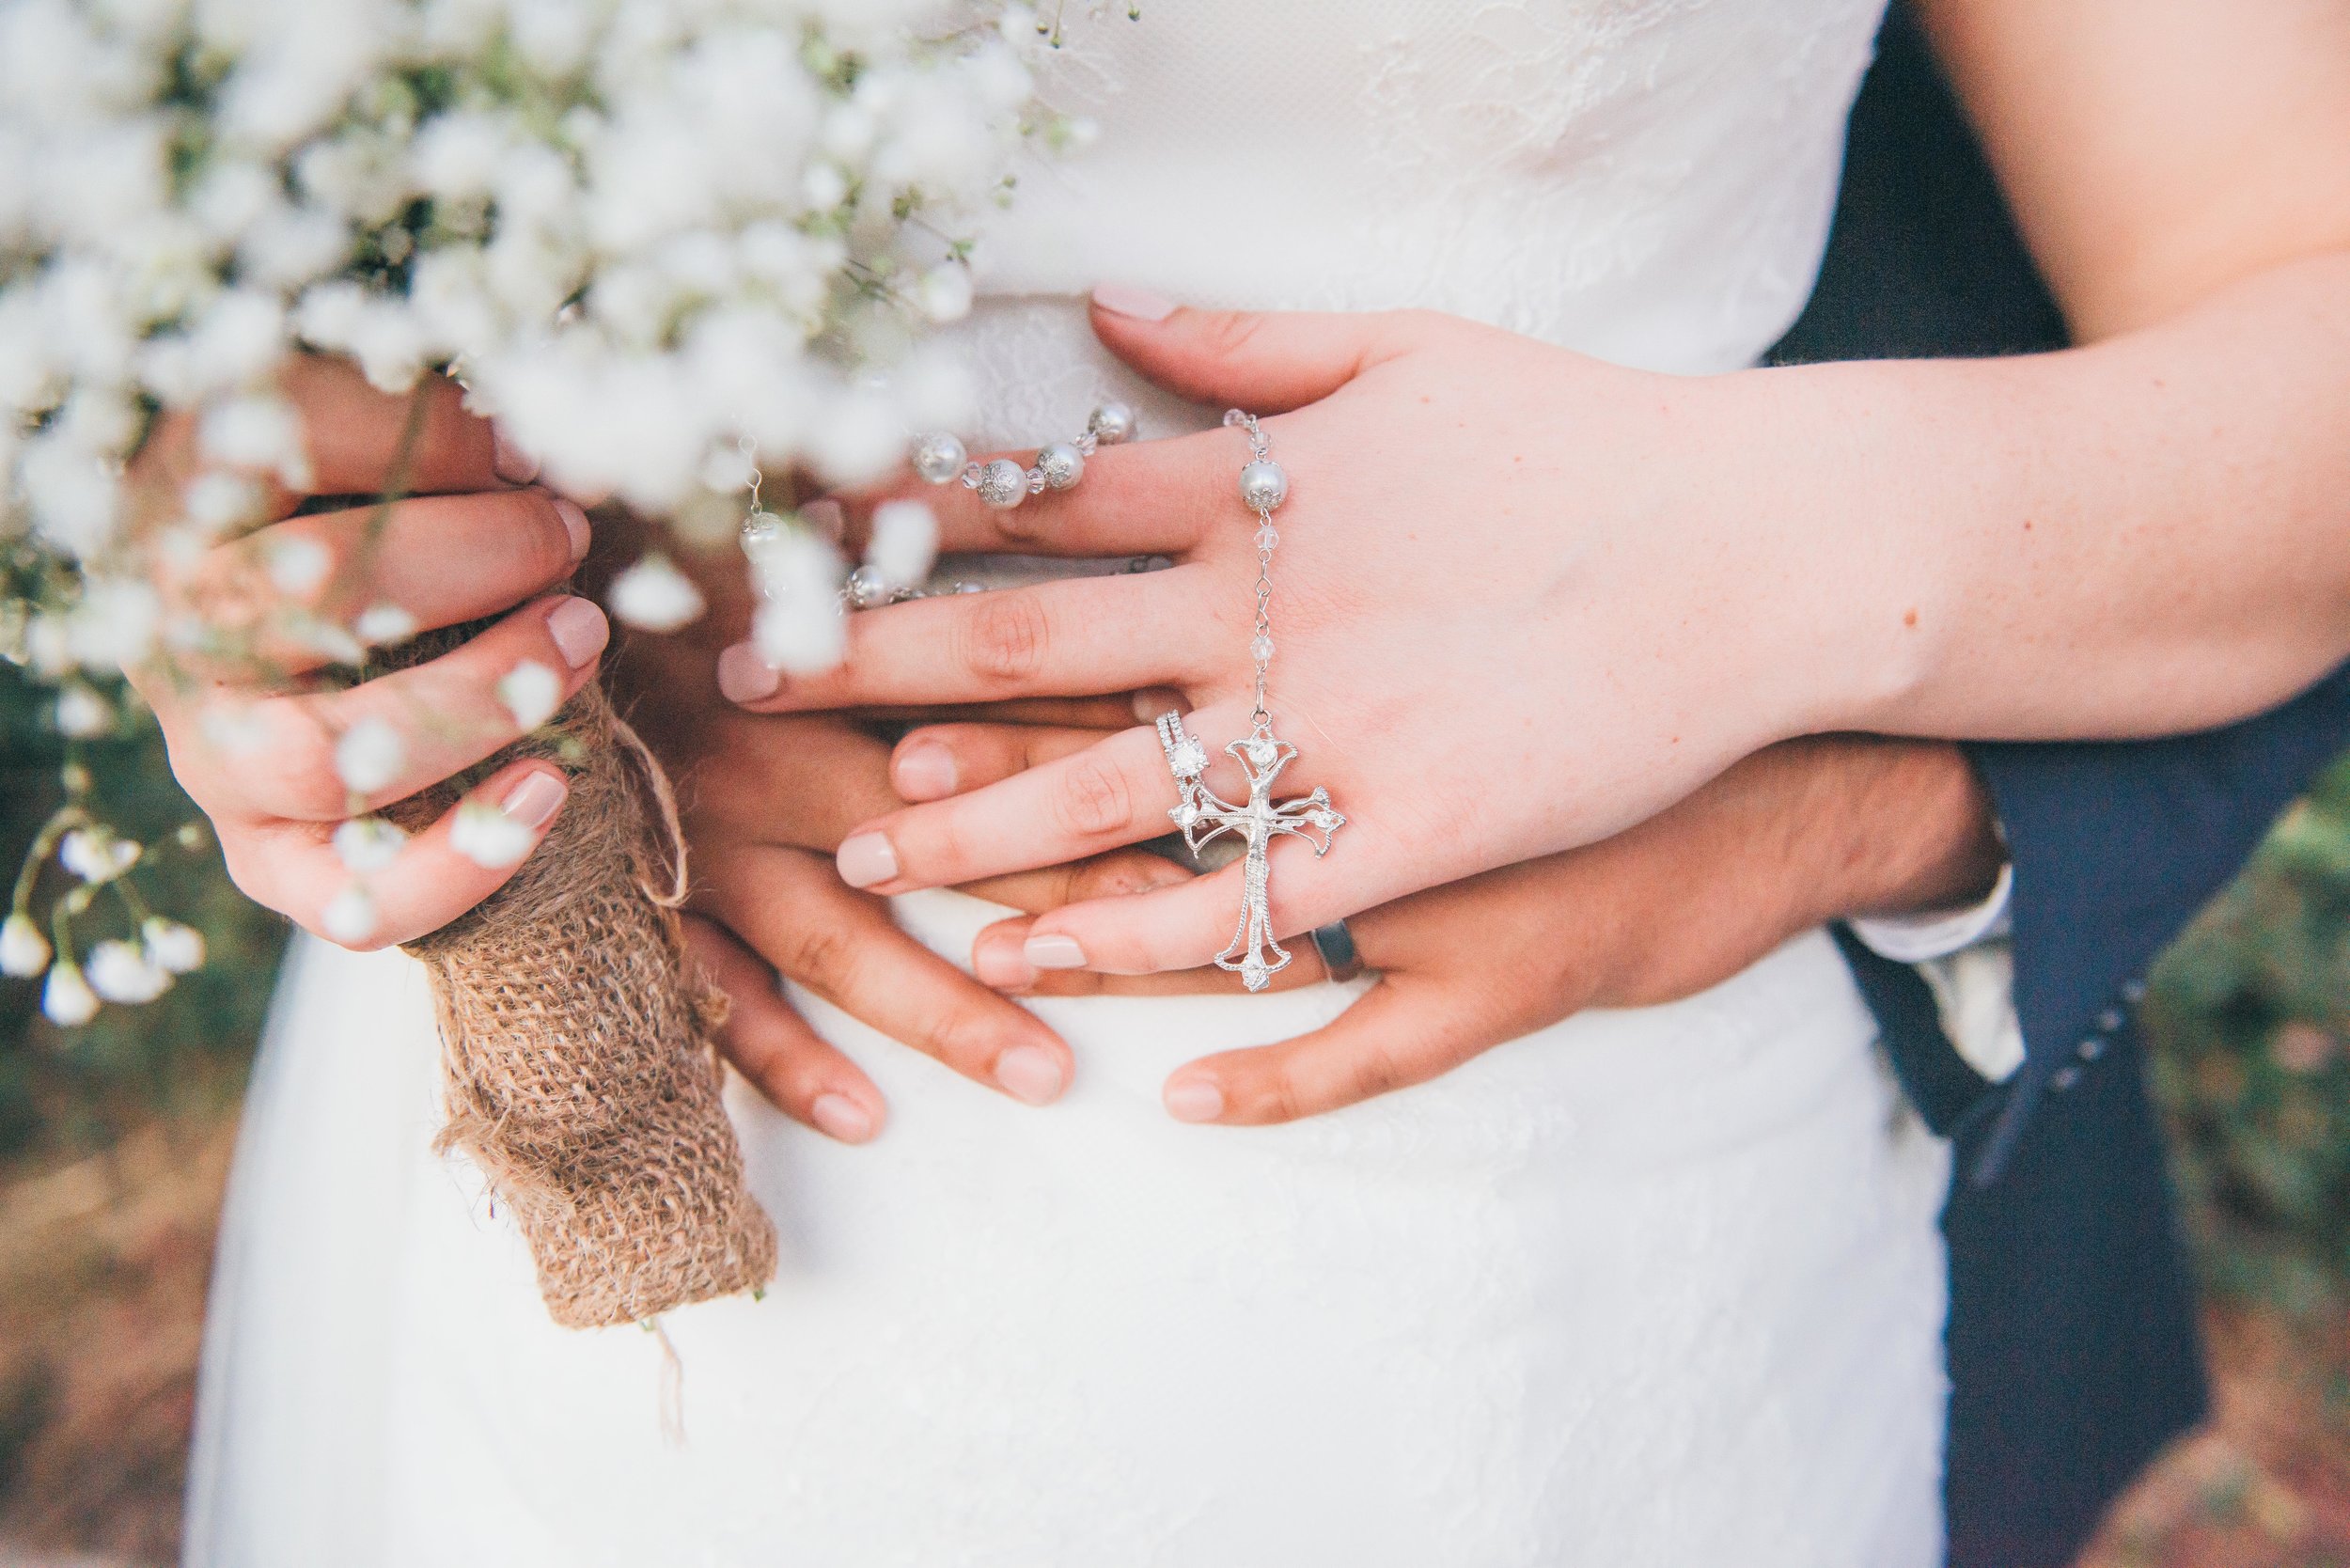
[(1802, 833)]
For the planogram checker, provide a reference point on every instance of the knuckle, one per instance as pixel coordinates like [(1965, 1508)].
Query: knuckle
[(958, 1037), (1006, 636), (1229, 332), (822, 956), (1376, 1069), (1093, 799)]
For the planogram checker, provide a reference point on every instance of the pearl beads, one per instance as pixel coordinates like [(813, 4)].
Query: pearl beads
[(939, 458), (1062, 464), (1263, 485), (1003, 484), (1111, 423)]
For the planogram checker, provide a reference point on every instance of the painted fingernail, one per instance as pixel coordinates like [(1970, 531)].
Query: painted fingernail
[(744, 677), (866, 859), (1124, 299), (838, 1116), (926, 771), (508, 461), (1030, 1072), (575, 523), (1192, 1100), (1054, 952), (579, 631), (534, 801), (827, 518)]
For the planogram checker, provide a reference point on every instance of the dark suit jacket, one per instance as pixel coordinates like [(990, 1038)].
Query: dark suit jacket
[(2072, 1339)]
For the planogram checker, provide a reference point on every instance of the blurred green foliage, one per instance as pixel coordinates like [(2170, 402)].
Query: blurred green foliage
[(2250, 1016), (72, 1090)]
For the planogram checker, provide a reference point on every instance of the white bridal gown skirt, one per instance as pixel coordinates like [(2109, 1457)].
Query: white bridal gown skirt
[(1660, 1288)]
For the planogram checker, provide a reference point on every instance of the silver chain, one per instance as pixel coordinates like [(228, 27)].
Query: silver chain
[(1268, 539)]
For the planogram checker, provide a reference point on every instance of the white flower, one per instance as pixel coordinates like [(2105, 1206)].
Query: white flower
[(945, 293), (350, 916), (81, 713), (171, 947), (216, 501), (257, 432), (297, 565), (67, 998), (121, 972), (905, 542), (383, 625), (368, 843), (531, 693), (369, 755), (96, 855), (654, 596), (23, 950), (487, 837)]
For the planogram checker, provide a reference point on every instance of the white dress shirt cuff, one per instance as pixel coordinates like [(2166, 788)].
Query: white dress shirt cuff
[(1938, 933)]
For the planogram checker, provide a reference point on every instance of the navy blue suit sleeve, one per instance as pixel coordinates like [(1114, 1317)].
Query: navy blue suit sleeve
[(2116, 845)]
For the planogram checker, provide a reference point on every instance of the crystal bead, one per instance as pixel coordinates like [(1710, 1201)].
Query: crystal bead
[(1262, 649), (1268, 538), (1253, 973)]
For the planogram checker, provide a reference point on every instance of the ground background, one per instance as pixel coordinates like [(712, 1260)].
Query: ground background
[(114, 1143)]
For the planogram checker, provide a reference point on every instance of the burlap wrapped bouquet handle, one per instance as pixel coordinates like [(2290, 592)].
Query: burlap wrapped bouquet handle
[(579, 1072)]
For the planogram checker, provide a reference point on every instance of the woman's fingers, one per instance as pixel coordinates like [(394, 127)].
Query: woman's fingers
[(1405, 1030), (801, 1073), (353, 436), (1115, 792), (999, 957), (1144, 498), (1071, 637), (322, 756), (790, 909), (296, 869), (428, 563)]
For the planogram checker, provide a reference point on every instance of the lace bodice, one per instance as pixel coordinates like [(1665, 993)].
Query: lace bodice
[(1648, 180)]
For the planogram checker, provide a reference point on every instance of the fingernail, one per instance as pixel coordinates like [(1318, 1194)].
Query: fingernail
[(1192, 1100), (1030, 1073), (826, 518), (1124, 299), (1054, 952), (534, 801), (508, 461), (838, 1116), (866, 859), (926, 771), (579, 631), (744, 677), (575, 523), (1002, 966), (1151, 701)]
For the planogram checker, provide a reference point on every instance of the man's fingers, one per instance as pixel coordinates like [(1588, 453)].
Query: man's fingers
[(296, 869), (1071, 637), (842, 946), (1403, 1030), (801, 1073), (1115, 712), (1115, 792), (1143, 497), (943, 759), (322, 756), (425, 563)]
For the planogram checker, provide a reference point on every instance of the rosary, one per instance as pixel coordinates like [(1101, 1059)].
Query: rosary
[(1200, 814)]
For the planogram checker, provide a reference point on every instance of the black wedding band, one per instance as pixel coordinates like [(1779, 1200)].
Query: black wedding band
[(1336, 944)]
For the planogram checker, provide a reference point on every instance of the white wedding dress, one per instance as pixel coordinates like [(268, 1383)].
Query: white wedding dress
[(1658, 1288)]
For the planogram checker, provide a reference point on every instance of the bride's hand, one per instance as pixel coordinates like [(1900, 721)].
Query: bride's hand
[(1799, 834), (254, 741), (1472, 692)]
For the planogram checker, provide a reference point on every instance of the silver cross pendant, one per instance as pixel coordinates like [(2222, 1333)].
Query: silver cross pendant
[(1205, 817)]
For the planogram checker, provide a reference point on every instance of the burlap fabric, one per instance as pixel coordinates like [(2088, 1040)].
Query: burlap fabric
[(576, 1045)]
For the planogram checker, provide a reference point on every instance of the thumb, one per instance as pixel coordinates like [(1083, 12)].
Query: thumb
[(1267, 362)]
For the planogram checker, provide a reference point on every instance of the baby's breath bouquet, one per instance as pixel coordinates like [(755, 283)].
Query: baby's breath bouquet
[(660, 241)]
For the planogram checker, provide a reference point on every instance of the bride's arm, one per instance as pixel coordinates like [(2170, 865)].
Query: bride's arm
[(2150, 532)]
